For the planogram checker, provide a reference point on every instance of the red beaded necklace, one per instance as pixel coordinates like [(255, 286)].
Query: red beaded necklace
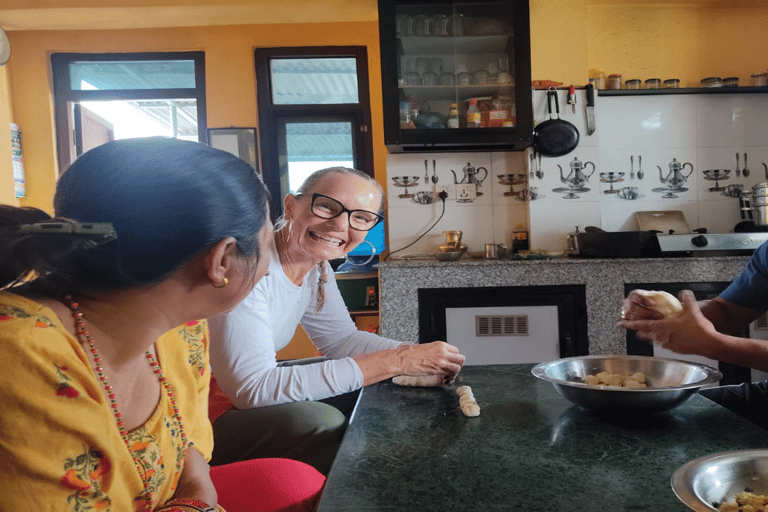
[(85, 336)]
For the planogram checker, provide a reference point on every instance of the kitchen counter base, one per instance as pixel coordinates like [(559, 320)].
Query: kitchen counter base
[(604, 280)]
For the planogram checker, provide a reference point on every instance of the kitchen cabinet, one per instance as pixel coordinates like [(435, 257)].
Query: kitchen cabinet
[(438, 53)]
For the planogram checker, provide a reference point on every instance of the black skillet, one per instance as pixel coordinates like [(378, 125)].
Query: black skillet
[(555, 137)]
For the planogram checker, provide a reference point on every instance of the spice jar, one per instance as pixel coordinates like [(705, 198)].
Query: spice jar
[(652, 83), (614, 81), (672, 83), (760, 80), (632, 83), (731, 81)]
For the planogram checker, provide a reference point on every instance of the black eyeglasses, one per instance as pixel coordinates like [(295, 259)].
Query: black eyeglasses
[(328, 208)]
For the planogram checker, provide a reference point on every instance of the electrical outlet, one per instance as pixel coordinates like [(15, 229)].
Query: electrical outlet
[(449, 189)]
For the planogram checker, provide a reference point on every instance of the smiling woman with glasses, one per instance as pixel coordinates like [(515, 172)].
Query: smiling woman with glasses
[(300, 409)]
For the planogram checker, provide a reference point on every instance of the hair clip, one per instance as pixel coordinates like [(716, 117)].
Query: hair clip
[(99, 232)]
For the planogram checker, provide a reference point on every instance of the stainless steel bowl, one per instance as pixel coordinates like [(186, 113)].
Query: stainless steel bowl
[(719, 477), (670, 382)]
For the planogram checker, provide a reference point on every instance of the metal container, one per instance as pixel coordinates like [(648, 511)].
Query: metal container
[(670, 382), (719, 477)]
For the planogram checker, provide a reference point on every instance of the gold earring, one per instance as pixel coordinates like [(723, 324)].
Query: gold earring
[(224, 282)]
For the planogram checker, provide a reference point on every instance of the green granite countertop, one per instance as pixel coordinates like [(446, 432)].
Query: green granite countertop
[(411, 449)]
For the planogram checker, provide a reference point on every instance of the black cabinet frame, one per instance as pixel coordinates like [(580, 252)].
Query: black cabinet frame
[(516, 138)]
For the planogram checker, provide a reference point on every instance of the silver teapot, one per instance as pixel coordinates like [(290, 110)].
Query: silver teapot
[(470, 176), (675, 178), (576, 178)]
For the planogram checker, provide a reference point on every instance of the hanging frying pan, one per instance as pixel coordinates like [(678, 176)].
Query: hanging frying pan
[(555, 137)]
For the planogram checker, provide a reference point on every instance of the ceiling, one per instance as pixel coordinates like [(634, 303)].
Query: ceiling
[(122, 14)]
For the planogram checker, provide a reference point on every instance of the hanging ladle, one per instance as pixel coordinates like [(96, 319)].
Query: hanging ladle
[(539, 170), (640, 167), (745, 170)]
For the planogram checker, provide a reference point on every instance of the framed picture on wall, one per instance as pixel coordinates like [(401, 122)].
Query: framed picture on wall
[(241, 142)]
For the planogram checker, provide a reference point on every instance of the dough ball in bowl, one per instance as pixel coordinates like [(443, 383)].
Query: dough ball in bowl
[(665, 303)]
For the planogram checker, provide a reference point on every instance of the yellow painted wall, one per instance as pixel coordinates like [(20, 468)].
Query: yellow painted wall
[(230, 79), (689, 42), (7, 189), (686, 40)]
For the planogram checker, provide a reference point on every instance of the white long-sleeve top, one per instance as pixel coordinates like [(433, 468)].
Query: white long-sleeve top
[(244, 342)]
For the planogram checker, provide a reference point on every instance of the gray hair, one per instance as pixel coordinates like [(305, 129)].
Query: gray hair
[(311, 182)]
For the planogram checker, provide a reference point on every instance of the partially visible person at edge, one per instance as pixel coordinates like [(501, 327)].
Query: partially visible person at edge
[(104, 388), (711, 328), (300, 410)]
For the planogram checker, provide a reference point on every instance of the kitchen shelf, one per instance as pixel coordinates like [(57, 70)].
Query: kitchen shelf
[(454, 45), (683, 90), (458, 92)]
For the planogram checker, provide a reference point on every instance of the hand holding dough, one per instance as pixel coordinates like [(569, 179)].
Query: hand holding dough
[(665, 303), (425, 381)]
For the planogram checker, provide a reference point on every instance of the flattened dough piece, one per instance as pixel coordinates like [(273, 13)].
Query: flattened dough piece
[(666, 303), (471, 410), (463, 390), (424, 381)]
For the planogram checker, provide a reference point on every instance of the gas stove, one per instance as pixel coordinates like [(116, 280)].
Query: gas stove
[(723, 244)]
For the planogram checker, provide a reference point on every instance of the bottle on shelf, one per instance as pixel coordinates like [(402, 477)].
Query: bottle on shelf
[(474, 118), (453, 116)]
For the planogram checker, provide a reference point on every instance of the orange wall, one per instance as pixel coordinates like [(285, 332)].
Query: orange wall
[(230, 79), (689, 42), (7, 190)]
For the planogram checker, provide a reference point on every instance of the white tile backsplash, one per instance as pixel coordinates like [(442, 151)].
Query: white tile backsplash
[(632, 132)]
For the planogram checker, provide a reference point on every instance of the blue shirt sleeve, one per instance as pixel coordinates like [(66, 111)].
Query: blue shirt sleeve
[(750, 288)]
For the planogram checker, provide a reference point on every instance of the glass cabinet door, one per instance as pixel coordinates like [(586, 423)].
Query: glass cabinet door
[(462, 73)]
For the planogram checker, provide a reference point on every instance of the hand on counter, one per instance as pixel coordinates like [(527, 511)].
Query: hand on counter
[(435, 358)]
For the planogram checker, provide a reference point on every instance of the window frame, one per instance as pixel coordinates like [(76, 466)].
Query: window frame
[(64, 95), (359, 114)]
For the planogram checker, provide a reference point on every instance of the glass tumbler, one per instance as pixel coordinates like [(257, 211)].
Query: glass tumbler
[(422, 65), (421, 25), (447, 79), (480, 77), (411, 78), (463, 78), (429, 78)]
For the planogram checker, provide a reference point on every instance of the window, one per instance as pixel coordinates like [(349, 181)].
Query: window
[(314, 112), (105, 96)]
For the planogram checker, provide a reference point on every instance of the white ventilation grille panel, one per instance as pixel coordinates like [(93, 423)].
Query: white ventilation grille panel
[(761, 324), (501, 325)]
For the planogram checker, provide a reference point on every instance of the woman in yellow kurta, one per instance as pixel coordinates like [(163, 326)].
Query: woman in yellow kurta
[(103, 391), (62, 437)]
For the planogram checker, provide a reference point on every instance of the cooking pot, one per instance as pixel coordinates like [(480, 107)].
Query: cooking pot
[(756, 203), (597, 243)]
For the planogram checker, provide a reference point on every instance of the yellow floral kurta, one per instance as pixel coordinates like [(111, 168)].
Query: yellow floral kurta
[(60, 449)]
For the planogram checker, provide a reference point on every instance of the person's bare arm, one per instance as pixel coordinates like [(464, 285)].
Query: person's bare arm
[(195, 480), (695, 331), (728, 317), (436, 358)]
